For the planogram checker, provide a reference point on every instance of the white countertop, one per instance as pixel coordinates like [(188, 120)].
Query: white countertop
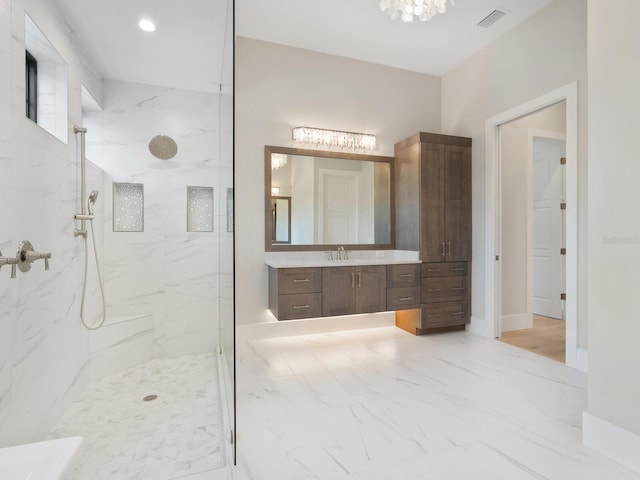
[(320, 259)]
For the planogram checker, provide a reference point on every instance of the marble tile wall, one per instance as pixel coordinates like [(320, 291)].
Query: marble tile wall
[(165, 270), (43, 349)]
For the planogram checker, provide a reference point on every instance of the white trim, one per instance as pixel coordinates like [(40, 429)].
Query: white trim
[(569, 94), (611, 440), (518, 321), (582, 362)]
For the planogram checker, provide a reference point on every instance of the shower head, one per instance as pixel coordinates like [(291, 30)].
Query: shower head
[(93, 198)]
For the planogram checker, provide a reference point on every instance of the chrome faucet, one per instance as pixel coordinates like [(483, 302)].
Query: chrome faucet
[(9, 261)]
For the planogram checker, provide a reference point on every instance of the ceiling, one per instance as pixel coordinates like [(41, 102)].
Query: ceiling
[(359, 29), (186, 51)]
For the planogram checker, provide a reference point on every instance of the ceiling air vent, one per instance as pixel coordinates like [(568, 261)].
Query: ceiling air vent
[(492, 18)]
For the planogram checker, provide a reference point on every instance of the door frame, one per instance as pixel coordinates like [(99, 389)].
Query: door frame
[(537, 133), (493, 281)]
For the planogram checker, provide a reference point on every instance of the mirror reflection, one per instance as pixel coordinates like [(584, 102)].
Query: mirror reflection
[(331, 198)]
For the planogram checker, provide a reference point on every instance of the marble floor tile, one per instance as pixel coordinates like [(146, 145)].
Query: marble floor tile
[(177, 435), (381, 404)]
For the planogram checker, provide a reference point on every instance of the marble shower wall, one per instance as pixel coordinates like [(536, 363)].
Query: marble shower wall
[(165, 270), (43, 349)]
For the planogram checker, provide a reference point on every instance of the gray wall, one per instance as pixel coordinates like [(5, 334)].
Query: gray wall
[(278, 88)]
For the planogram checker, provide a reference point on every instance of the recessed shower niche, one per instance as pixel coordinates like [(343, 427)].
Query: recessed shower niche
[(128, 207), (199, 209)]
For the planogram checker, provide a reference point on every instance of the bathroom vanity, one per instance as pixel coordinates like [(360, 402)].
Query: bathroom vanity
[(344, 287), (418, 202)]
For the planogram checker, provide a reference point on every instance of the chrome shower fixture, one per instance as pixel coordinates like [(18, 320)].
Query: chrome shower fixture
[(163, 147), (93, 198)]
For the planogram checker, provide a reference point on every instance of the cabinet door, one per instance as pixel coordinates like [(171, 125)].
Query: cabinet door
[(371, 288), (432, 206), (457, 203), (338, 291)]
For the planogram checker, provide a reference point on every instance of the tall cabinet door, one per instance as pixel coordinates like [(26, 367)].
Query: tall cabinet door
[(457, 203), (432, 203)]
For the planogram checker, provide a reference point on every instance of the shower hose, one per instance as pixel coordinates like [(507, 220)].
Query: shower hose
[(84, 282)]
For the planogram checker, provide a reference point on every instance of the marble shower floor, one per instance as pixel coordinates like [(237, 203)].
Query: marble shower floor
[(178, 435), (382, 404)]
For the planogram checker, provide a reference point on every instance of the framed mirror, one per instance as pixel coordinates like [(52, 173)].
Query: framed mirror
[(319, 200)]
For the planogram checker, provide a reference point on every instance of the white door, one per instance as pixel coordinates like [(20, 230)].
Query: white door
[(548, 229), (339, 219)]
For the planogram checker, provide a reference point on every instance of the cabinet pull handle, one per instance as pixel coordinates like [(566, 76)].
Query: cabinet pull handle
[(442, 254), (434, 271), (299, 307), (406, 275), (461, 269), (456, 289), (359, 279), (433, 315), (404, 299), (449, 247), (433, 290), (296, 280), (456, 313), (353, 280)]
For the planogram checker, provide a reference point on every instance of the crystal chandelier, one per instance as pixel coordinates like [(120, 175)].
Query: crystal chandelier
[(407, 9), (278, 160)]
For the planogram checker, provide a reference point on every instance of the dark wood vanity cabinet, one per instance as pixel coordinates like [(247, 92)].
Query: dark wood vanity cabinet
[(295, 292), (433, 216), (403, 286), (348, 290)]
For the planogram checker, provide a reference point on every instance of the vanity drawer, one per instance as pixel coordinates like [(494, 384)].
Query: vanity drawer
[(299, 280), (444, 314), (403, 275), (300, 305), (444, 289), (450, 269), (403, 298)]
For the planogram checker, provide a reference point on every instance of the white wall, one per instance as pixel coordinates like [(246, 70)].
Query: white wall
[(514, 142), (544, 53), (43, 349), (278, 88), (165, 270), (614, 224)]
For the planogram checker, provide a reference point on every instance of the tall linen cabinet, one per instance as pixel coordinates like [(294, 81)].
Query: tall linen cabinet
[(433, 216)]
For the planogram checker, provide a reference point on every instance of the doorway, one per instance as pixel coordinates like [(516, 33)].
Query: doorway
[(494, 198)]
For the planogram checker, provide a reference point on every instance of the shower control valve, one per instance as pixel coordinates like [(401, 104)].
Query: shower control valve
[(9, 261), (26, 256)]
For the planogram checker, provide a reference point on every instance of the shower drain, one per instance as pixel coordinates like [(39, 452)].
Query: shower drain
[(149, 398)]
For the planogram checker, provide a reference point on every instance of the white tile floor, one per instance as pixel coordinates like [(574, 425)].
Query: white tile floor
[(175, 436), (381, 404)]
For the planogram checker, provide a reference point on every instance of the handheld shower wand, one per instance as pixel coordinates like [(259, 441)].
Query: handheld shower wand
[(93, 198)]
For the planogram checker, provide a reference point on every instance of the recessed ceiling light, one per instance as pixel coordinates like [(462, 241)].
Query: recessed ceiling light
[(147, 25)]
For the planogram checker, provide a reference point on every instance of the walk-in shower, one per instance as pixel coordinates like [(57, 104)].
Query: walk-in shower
[(87, 216)]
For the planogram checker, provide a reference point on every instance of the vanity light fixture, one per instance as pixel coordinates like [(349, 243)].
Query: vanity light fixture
[(147, 25), (424, 10), (334, 138), (278, 160)]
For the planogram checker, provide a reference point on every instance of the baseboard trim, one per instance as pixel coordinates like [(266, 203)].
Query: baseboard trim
[(582, 360), (611, 440), (518, 321), (480, 327)]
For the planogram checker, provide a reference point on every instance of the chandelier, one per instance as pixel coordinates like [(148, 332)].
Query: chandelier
[(407, 9), (278, 160)]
